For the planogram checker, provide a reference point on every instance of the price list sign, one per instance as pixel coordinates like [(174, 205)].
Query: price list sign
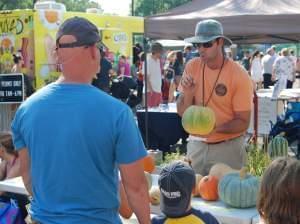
[(11, 88)]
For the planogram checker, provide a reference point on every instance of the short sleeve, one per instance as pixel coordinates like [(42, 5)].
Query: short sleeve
[(18, 138), (243, 94), (129, 144)]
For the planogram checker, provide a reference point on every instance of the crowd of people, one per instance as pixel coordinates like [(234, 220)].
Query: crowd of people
[(271, 67)]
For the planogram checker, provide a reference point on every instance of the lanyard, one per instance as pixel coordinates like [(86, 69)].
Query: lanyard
[(212, 91)]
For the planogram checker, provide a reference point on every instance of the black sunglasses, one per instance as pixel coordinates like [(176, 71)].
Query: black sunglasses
[(205, 45)]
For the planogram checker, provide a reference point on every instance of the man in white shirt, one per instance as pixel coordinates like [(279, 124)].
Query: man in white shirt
[(267, 65), (154, 76)]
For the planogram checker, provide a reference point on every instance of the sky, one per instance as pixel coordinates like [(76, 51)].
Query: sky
[(120, 7)]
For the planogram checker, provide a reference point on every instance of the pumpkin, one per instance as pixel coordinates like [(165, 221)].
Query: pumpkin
[(148, 163), (278, 147), (198, 120), (149, 179), (124, 210), (221, 169), (239, 190), (208, 188), (196, 189), (154, 195)]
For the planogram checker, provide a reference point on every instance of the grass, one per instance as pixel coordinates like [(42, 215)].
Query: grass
[(258, 159)]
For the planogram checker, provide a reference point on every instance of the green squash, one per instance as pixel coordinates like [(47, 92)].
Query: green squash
[(278, 147), (239, 190), (198, 120)]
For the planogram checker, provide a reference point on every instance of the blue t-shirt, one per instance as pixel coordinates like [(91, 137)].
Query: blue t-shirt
[(191, 217), (76, 136)]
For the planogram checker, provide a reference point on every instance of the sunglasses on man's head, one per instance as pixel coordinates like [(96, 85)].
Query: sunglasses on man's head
[(205, 45)]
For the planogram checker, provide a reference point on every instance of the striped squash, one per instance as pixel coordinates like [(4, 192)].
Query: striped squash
[(239, 190), (278, 147), (198, 120)]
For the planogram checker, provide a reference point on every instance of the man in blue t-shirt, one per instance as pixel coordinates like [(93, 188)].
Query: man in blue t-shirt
[(73, 139)]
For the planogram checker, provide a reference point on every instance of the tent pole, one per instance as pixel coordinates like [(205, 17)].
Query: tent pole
[(145, 43)]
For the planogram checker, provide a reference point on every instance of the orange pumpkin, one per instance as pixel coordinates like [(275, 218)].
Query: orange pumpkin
[(149, 164), (208, 188), (124, 210)]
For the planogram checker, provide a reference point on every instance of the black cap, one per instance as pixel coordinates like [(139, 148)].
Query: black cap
[(176, 183), (85, 32)]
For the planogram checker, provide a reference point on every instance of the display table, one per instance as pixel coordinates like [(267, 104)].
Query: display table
[(256, 220), (14, 185), (225, 214), (269, 108), (164, 127)]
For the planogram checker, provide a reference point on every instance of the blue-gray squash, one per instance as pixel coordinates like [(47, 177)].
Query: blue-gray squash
[(239, 190)]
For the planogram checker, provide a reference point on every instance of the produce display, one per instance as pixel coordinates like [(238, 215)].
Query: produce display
[(278, 147), (198, 120), (221, 169), (239, 190), (208, 188), (149, 164), (154, 194)]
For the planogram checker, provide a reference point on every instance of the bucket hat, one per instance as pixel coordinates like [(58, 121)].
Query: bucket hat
[(208, 30)]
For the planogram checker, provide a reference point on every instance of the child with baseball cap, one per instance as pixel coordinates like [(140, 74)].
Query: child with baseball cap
[(176, 184)]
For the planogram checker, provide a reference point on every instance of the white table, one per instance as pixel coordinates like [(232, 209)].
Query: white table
[(225, 214), (14, 185), (256, 220)]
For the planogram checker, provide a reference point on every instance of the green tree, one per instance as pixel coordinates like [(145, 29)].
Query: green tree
[(16, 4), (71, 5), (152, 7), (79, 5)]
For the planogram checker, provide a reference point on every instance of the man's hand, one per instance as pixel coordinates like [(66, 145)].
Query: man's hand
[(185, 99), (188, 85)]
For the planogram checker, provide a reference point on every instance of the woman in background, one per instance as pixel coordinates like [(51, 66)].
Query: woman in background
[(256, 69), (10, 168), (17, 68)]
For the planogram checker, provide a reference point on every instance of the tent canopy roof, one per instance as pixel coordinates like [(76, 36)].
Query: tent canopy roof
[(244, 21)]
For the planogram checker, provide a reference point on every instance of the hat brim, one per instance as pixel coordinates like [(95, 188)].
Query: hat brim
[(205, 39)]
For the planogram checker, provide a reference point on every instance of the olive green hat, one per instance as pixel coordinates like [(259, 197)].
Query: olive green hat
[(208, 30)]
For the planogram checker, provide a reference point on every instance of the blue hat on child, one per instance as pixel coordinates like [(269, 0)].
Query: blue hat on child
[(176, 183)]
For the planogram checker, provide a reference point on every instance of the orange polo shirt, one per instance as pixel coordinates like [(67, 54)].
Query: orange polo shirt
[(233, 92)]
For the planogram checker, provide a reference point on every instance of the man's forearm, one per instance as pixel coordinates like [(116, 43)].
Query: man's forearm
[(234, 126), (138, 199), (183, 102)]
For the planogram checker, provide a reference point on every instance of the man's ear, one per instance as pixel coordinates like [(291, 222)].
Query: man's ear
[(94, 51)]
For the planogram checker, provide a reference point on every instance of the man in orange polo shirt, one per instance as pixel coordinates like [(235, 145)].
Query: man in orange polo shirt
[(217, 82)]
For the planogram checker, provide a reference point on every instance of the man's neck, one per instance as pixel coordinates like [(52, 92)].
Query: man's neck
[(217, 62), (63, 79)]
